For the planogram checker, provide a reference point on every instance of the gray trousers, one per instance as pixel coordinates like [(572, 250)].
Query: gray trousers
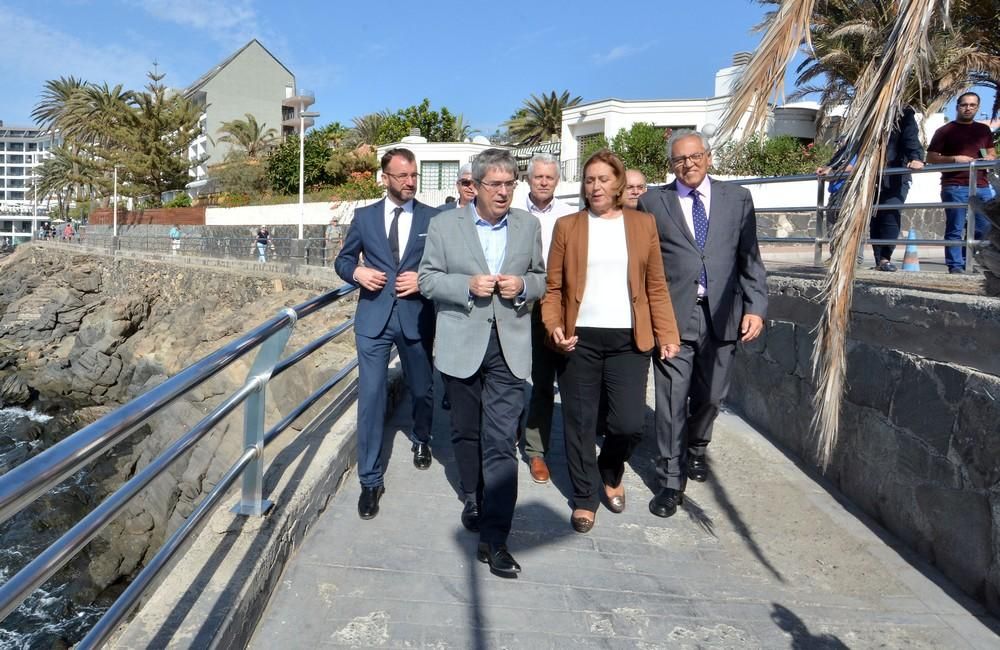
[(689, 392)]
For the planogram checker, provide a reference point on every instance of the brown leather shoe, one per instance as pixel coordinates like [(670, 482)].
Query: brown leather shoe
[(539, 470)]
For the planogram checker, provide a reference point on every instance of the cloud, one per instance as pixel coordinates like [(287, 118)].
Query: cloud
[(44, 52), (619, 52), (229, 22)]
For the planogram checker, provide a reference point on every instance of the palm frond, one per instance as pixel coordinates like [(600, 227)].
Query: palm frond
[(870, 119), (764, 76)]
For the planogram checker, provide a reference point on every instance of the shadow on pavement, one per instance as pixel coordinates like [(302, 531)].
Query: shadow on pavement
[(802, 638)]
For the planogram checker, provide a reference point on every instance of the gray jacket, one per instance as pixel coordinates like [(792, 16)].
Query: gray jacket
[(452, 254)]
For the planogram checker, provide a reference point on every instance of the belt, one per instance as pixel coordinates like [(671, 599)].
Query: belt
[(701, 300)]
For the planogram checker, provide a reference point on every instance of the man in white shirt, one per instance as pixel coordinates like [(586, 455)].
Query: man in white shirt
[(543, 178)]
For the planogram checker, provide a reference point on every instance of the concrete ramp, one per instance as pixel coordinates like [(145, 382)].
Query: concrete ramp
[(760, 556)]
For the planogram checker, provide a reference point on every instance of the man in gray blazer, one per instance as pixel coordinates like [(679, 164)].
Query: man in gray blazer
[(483, 268), (718, 285)]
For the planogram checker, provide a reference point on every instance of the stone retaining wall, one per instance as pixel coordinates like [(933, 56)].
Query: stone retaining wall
[(919, 443)]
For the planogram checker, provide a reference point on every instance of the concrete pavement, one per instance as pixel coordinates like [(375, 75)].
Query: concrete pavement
[(760, 556)]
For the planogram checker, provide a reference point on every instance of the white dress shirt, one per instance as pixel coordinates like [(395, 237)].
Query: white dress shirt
[(547, 219), (405, 221)]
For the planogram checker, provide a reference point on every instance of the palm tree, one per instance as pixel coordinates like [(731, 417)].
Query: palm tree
[(252, 138), (878, 91), (463, 130), (367, 127), (540, 118), (56, 95)]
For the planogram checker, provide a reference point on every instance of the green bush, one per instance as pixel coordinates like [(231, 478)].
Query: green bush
[(360, 186), (343, 164), (241, 175), (179, 201), (781, 156), (643, 147)]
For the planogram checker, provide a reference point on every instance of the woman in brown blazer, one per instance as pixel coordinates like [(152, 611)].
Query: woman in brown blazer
[(606, 307)]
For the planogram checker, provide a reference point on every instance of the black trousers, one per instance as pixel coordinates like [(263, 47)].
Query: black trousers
[(604, 360), (885, 224), (485, 412), (544, 364), (689, 391)]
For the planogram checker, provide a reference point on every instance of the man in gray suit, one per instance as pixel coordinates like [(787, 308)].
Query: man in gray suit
[(483, 268), (718, 285)]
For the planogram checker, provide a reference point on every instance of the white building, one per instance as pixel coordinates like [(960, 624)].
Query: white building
[(437, 163), (22, 149)]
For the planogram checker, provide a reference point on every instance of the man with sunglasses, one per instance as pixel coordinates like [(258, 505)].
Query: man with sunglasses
[(466, 189), (483, 269), (718, 286), (543, 178), (391, 235), (962, 141)]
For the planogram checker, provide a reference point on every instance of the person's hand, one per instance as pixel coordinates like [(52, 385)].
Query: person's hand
[(564, 344), (510, 286), (406, 284), (963, 159), (371, 279), (482, 285), (750, 327), (669, 351), (823, 171), (915, 164)]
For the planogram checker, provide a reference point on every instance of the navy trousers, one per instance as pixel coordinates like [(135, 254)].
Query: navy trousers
[(485, 412), (373, 366)]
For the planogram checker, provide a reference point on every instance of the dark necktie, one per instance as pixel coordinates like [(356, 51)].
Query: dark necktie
[(394, 234), (700, 219)]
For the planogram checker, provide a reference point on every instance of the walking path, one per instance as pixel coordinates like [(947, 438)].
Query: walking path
[(760, 556)]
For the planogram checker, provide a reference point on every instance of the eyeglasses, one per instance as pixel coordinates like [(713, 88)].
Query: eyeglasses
[(465, 182), (493, 186), (694, 158), (968, 105), (636, 188), (402, 177)]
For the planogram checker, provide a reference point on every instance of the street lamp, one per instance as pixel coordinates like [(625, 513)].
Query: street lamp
[(303, 114), (114, 231)]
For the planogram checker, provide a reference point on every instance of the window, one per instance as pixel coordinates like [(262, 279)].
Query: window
[(438, 175)]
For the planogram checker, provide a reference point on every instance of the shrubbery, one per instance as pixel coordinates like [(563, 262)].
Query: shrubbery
[(781, 156)]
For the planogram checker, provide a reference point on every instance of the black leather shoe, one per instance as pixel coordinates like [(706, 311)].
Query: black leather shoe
[(368, 501), (665, 503), (501, 562), (421, 455), (470, 516), (698, 468)]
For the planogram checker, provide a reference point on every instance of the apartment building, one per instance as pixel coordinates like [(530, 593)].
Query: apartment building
[(251, 80), (22, 148)]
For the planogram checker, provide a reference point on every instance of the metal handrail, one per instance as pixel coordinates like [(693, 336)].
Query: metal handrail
[(23, 484), (821, 209)]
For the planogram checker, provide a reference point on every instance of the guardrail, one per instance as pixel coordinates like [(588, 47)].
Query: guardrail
[(821, 208), (26, 482), (314, 251)]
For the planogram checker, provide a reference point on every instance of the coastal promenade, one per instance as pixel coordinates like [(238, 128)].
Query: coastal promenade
[(763, 555)]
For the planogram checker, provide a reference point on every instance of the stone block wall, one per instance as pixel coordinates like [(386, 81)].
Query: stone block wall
[(919, 440)]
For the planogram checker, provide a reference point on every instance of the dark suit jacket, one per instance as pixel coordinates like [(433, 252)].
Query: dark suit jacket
[(367, 235), (737, 281), (903, 147), (652, 313)]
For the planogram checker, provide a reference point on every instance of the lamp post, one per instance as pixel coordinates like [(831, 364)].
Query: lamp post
[(303, 114), (114, 231)]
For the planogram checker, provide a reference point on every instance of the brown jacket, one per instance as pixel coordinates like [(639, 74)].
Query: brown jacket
[(652, 312)]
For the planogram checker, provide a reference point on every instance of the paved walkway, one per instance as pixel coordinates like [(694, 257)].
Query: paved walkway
[(761, 556)]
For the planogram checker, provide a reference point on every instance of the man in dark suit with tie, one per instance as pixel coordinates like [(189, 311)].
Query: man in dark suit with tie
[(718, 285), (390, 234)]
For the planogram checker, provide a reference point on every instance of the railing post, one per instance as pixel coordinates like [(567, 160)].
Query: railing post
[(820, 222), (252, 501), (970, 218)]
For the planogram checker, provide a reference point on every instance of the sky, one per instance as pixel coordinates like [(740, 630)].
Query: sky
[(362, 57)]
